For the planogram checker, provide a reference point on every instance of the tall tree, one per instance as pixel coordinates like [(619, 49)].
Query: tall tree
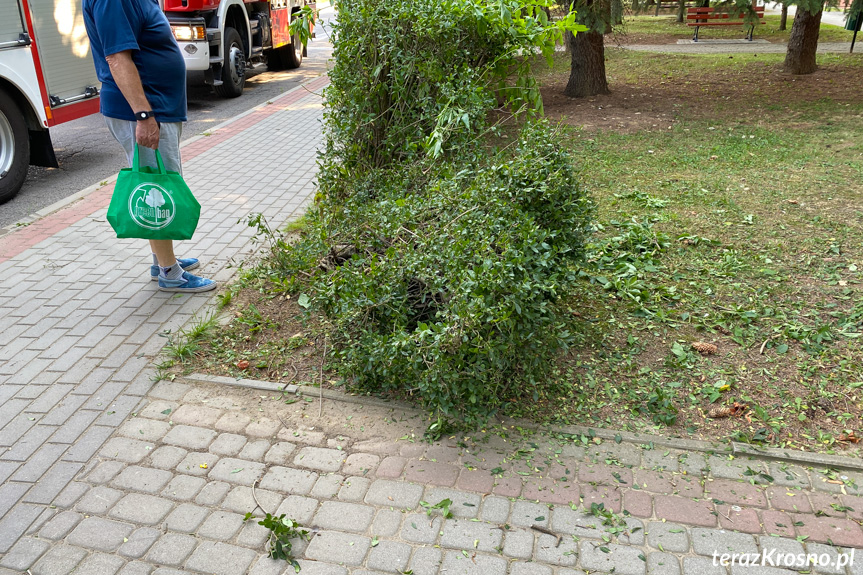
[(783, 19), (803, 42), (587, 49)]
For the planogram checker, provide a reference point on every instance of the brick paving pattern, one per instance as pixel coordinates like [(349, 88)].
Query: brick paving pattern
[(104, 472), (80, 324), (138, 509)]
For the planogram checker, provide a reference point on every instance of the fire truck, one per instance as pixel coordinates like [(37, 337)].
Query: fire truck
[(221, 38), (47, 77)]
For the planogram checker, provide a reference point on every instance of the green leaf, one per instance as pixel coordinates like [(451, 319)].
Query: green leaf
[(304, 301)]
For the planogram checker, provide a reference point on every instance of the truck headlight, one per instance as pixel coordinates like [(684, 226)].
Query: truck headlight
[(185, 33)]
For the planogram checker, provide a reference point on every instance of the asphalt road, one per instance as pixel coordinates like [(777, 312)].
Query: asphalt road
[(87, 153)]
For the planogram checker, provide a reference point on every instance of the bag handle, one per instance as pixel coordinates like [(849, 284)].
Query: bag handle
[(159, 162)]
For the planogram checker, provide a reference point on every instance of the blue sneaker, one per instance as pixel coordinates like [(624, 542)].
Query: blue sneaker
[(185, 263), (187, 283)]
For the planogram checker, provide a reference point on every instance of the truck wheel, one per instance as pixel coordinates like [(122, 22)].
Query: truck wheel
[(234, 66), (292, 54), (14, 148)]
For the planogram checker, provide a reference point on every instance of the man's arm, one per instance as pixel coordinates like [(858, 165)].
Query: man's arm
[(126, 76)]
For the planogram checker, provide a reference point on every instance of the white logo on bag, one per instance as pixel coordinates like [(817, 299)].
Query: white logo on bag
[(151, 206)]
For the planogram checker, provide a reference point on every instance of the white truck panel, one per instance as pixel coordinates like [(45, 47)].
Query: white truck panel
[(64, 49), (11, 25), (16, 66)]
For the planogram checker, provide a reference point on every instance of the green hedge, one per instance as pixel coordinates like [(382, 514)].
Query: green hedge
[(441, 248)]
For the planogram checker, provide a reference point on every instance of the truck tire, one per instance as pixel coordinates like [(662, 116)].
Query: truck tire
[(234, 66), (14, 148)]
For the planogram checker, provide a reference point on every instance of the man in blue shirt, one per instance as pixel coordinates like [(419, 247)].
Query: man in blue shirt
[(143, 100)]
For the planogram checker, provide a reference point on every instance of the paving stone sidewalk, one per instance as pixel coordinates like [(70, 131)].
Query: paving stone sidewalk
[(81, 322), (167, 494)]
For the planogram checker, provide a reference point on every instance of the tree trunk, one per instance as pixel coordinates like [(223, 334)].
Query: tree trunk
[(783, 19), (681, 10), (587, 77), (803, 43)]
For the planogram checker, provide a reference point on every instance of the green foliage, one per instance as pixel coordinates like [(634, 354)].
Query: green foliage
[(443, 506), (439, 256), (661, 407), (453, 288), (413, 77), (301, 24), (183, 345), (282, 531), (624, 263)]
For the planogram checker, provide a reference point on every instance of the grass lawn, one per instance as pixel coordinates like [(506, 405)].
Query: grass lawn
[(729, 211), (664, 29)]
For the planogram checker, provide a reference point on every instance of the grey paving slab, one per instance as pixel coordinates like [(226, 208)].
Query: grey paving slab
[(142, 509), (59, 560), (348, 548), (221, 526), (221, 559), (455, 563), (24, 553), (338, 516), (99, 534), (172, 549)]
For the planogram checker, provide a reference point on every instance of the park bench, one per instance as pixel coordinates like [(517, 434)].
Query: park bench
[(699, 17)]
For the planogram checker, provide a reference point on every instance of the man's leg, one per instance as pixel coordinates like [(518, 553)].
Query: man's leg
[(171, 271), (169, 149)]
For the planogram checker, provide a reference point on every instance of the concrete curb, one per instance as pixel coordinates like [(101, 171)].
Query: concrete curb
[(78, 196), (802, 458)]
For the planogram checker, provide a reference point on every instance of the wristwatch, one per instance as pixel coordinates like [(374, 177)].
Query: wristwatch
[(143, 115)]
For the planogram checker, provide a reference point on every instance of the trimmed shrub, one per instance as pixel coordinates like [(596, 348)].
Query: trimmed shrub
[(441, 256)]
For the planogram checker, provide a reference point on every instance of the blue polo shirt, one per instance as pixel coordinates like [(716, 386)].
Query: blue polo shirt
[(140, 26)]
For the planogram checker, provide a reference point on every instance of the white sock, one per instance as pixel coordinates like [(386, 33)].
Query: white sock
[(155, 260), (171, 273)]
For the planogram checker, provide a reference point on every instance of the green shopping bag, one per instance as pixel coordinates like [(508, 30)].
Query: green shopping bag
[(152, 204)]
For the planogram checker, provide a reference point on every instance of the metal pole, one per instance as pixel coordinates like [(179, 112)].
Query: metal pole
[(853, 39)]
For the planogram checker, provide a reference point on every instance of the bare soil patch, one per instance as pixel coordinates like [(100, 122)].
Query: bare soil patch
[(747, 89)]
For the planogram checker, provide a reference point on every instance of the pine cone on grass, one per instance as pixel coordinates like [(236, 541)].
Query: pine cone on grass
[(704, 348), (734, 410)]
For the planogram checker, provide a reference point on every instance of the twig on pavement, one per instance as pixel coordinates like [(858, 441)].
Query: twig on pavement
[(255, 496), (547, 532), (283, 422)]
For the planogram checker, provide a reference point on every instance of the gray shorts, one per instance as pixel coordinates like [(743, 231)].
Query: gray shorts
[(169, 143)]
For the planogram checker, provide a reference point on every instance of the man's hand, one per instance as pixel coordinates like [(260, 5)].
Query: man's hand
[(126, 76), (147, 133)]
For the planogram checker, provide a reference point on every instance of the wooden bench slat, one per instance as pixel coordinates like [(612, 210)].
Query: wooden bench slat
[(717, 17), (704, 24), (759, 9)]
